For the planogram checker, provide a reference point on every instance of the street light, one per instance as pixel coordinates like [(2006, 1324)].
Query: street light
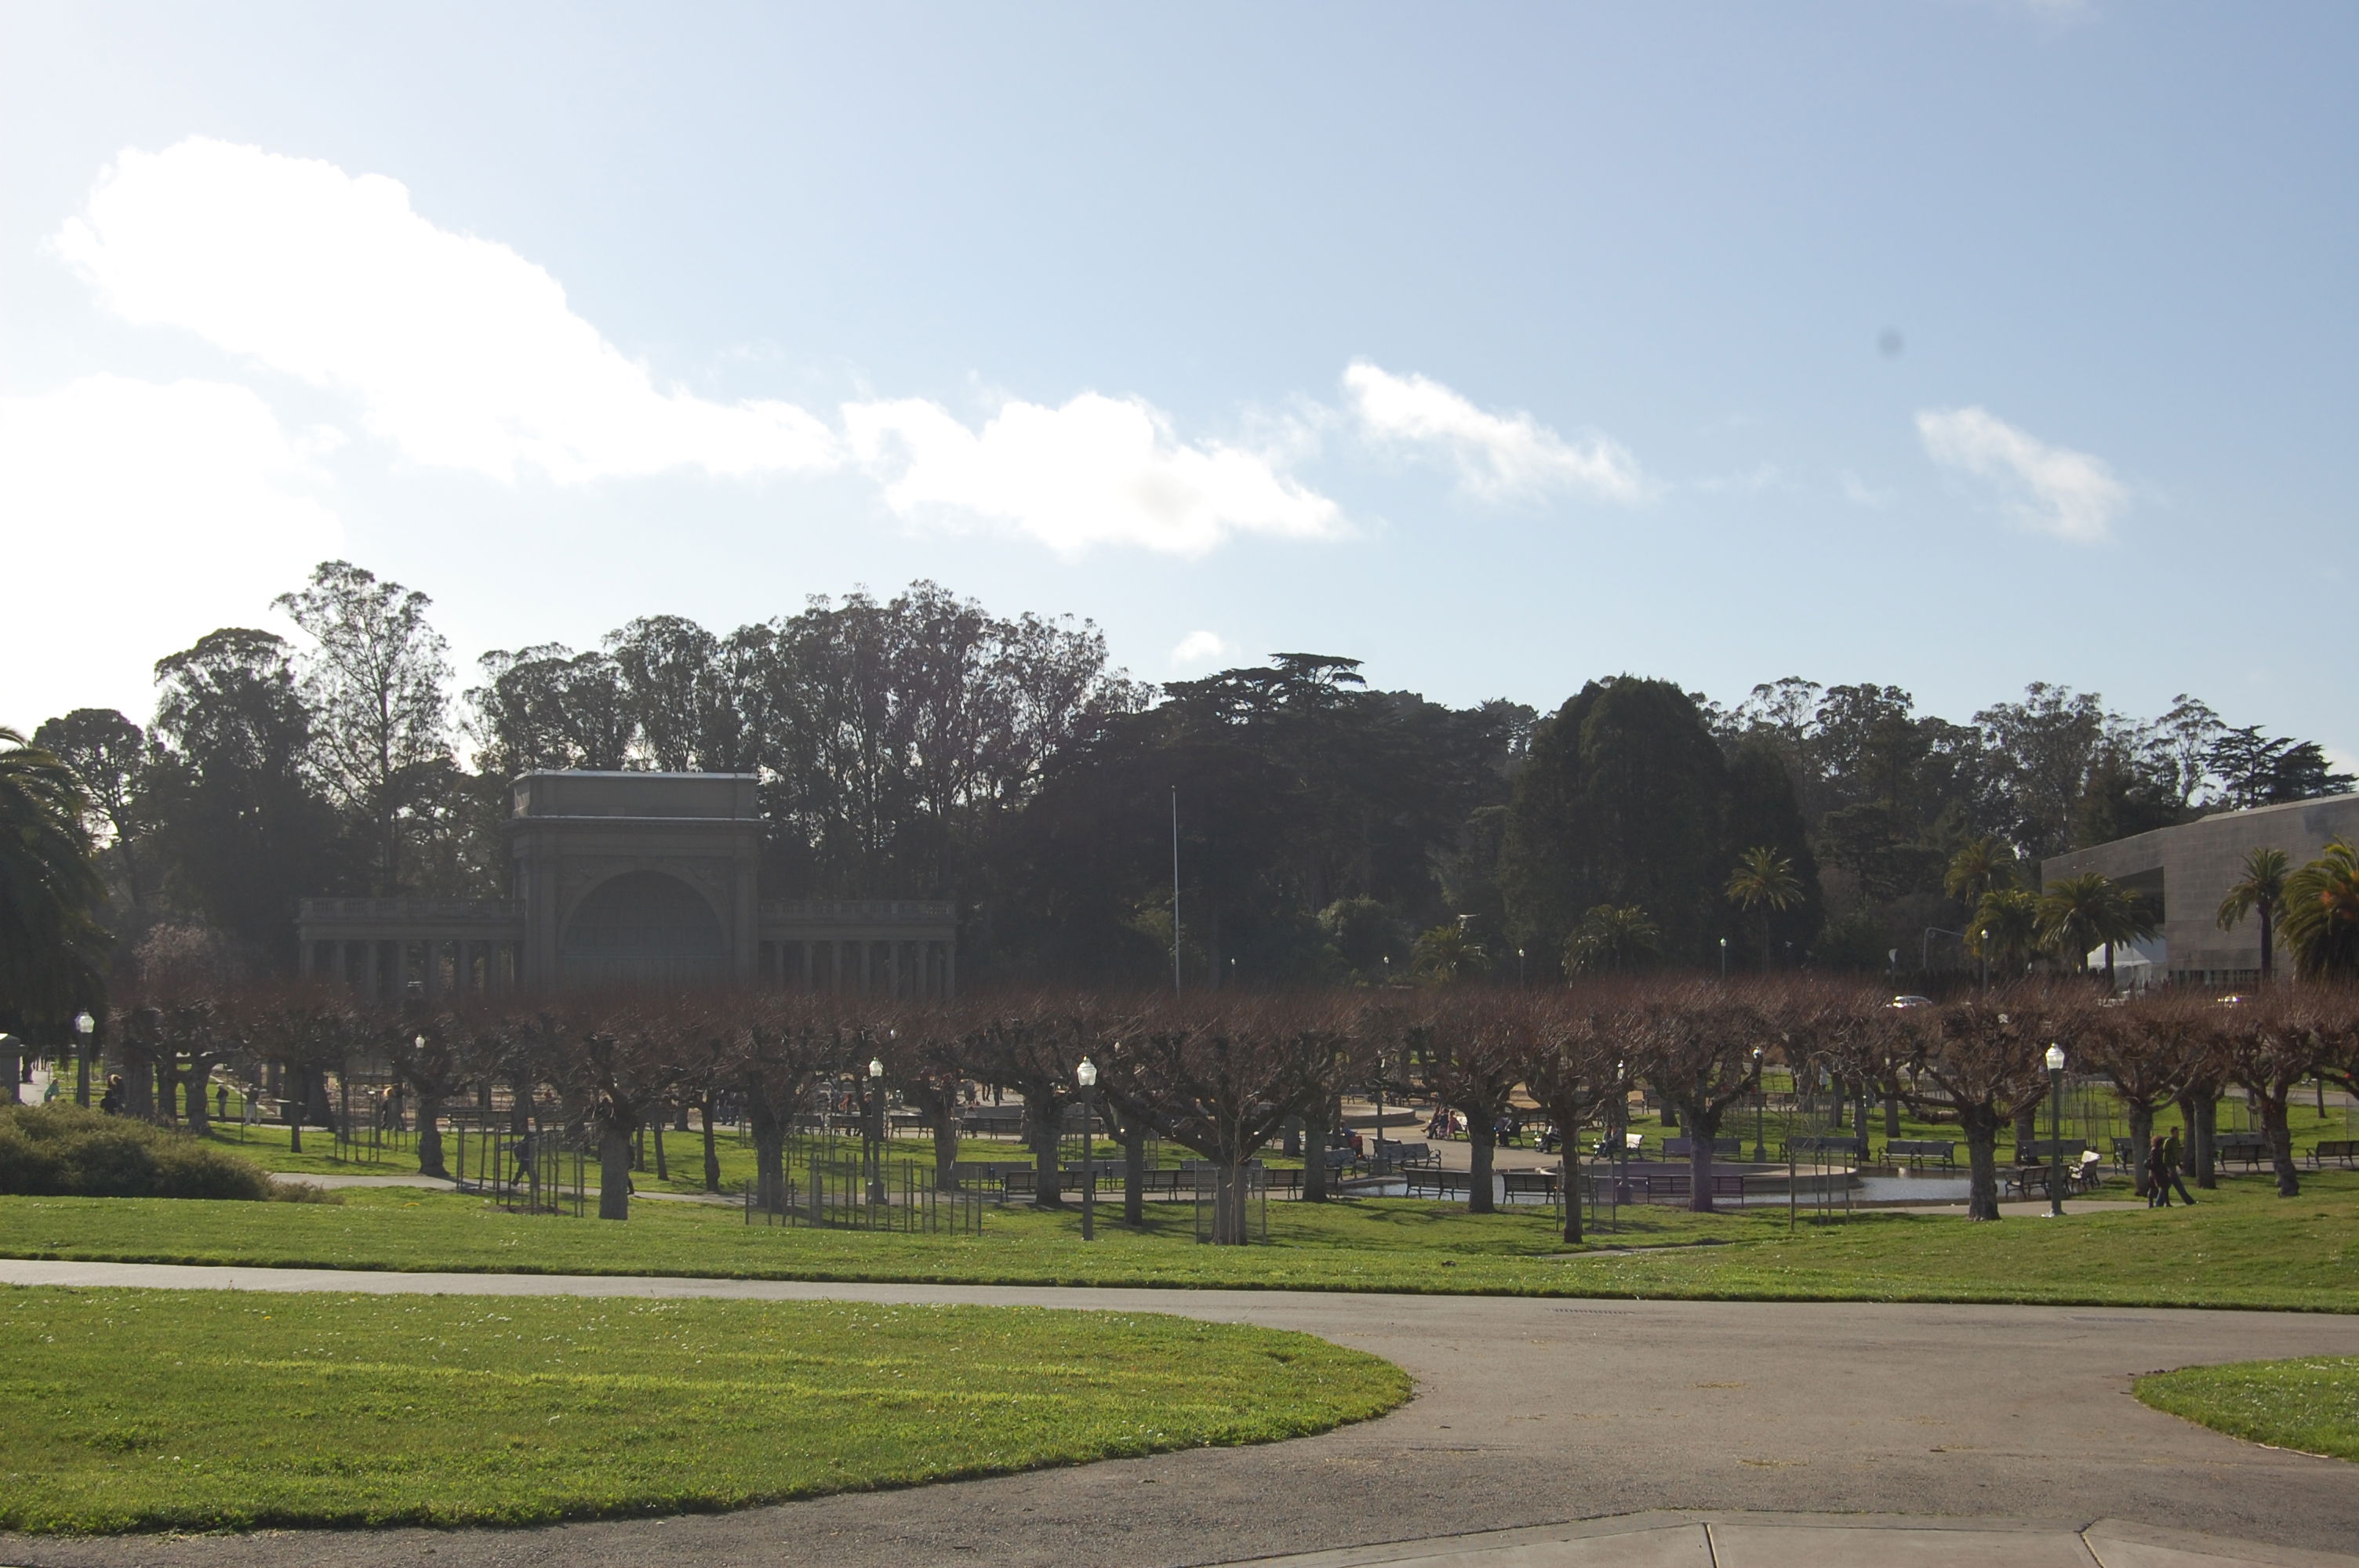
[(1724, 957), (85, 1026), (1519, 980), (2056, 1132), (1086, 1074), (1760, 1103), (875, 1131)]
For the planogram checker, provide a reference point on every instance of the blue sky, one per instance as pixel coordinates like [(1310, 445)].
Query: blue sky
[(1941, 343)]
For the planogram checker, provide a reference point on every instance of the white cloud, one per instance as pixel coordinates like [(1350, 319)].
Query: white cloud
[(1499, 457), (1098, 470), (461, 353), (2052, 489), (1859, 492), (1198, 649), (139, 516)]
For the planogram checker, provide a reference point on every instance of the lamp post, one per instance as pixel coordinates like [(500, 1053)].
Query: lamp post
[(1086, 1076), (1376, 1164), (1760, 1106), (1519, 967), (1724, 957), (2055, 1132), (875, 1131), (85, 1026)]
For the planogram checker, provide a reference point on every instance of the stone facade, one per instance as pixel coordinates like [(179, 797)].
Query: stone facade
[(2185, 872), (623, 879)]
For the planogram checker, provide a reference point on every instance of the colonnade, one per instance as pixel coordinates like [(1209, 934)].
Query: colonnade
[(919, 969), (385, 969)]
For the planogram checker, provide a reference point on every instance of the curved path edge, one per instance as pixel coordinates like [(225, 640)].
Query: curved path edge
[(1715, 1425)]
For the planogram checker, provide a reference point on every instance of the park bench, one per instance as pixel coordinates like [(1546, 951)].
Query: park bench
[(2246, 1148), (1397, 1152), (1812, 1143), (1436, 1181), (1527, 1183), (1917, 1151), (1684, 1148), (1633, 1146), (2346, 1150)]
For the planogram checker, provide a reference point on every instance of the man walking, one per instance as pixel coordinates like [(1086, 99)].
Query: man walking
[(2170, 1172)]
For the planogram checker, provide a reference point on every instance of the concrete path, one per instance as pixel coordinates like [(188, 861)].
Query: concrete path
[(1528, 1413)]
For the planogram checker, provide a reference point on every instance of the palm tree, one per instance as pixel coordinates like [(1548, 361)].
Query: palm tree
[(2005, 927), (1979, 866), (1612, 938), (1446, 953), (2091, 910), (2320, 922), (2261, 891), (51, 945), (1763, 881)]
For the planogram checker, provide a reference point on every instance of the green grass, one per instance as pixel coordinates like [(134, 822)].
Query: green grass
[(165, 1409), (2240, 1247), (2310, 1403)]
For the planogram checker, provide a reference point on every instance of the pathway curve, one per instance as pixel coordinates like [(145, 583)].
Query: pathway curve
[(1528, 1413)]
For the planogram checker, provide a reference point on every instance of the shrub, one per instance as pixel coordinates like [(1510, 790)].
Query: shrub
[(65, 1150)]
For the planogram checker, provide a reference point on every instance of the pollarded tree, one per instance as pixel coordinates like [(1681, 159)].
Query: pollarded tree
[(923, 1048), (1222, 1078), (614, 1071), (1468, 1051), (2150, 1048), (1033, 1046), (1982, 1061), (2269, 1044), (1573, 1067), (306, 1027), (1695, 1045), (782, 1047)]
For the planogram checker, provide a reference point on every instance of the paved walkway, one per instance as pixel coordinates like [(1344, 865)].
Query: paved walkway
[(1529, 1413)]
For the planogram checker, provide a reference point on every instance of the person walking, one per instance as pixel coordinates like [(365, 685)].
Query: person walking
[(2157, 1184), (2170, 1171), (111, 1101)]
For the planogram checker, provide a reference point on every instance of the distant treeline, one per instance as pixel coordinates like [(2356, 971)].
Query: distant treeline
[(920, 746)]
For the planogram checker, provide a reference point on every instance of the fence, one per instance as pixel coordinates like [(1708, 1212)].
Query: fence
[(537, 1171), (843, 1184)]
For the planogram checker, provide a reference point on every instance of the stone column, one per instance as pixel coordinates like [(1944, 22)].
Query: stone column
[(950, 970), (428, 970), (892, 970), (835, 967), (867, 953), (336, 957)]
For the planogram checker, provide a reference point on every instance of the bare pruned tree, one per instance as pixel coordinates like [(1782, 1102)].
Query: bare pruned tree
[(1980, 1061)]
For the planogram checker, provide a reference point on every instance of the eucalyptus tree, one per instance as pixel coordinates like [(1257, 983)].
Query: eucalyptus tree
[(2258, 892), (110, 756), (376, 679)]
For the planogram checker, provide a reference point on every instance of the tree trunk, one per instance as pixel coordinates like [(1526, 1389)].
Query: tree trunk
[(430, 1136), (2279, 1131), (712, 1153), (1481, 1133), (663, 1172), (1569, 1183), (1048, 1180), (2141, 1145), (769, 1158), (1979, 1124), (194, 1085), (1134, 1177), (2201, 1147), (613, 1172), (1229, 1206), (946, 1142), (1891, 1117), (1700, 1153)]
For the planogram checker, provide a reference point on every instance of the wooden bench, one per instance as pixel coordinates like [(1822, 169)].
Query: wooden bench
[(2249, 1150), (1436, 1181), (1917, 1151), (1527, 1183), (1400, 1154), (2346, 1150), (1812, 1143)]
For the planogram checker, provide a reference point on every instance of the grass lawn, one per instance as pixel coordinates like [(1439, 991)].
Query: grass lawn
[(164, 1410), (2240, 1247), (2310, 1403)]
